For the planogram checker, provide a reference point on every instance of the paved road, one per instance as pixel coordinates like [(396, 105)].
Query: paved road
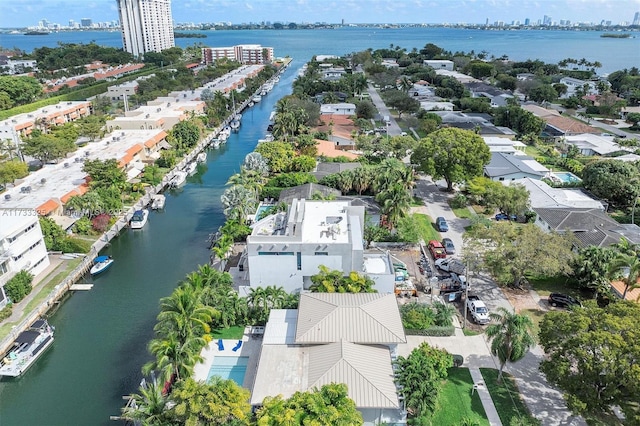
[(544, 402), (392, 128)]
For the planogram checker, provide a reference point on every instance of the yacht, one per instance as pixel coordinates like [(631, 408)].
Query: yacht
[(179, 178), (202, 157), (139, 219), (158, 201), (26, 349), (101, 264), (256, 98), (191, 168), (235, 125)]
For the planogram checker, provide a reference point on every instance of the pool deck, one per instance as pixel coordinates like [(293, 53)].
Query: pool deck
[(251, 347)]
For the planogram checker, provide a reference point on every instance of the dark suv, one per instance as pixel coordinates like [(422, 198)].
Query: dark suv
[(563, 300)]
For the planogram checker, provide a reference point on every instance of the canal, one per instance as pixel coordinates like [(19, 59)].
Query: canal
[(102, 334)]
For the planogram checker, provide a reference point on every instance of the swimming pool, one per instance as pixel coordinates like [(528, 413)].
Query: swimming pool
[(566, 177), (261, 209), (229, 367)]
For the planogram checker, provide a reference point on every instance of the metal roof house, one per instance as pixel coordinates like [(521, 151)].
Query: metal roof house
[(505, 167), (335, 338)]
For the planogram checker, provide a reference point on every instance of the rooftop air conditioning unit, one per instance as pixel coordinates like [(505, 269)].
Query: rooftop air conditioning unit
[(43, 181), (7, 197), (44, 111), (87, 153), (66, 165), (114, 138), (159, 109), (122, 134), (168, 104)]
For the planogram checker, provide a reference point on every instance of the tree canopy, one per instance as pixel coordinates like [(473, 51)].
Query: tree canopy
[(333, 281), (453, 154), (105, 173), (509, 251), (592, 355), (19, 90), (615, 181), (328, 406)]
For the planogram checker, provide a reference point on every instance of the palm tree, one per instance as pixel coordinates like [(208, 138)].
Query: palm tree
[(395, 201), (405, 83), (184, 315), (626, 267), (175, 357), (149, 405), (237, 201), (362, 179), (254, 161), (511, 338)]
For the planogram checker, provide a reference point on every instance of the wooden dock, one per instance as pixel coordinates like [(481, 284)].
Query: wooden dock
[(81, 287)]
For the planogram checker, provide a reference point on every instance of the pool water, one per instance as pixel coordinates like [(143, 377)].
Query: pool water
[(567, 177), (229, 367)]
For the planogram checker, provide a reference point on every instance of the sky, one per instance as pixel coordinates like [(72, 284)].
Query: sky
[(23, 13)]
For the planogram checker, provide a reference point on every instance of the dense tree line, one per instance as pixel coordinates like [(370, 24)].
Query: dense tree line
[(68, 55)]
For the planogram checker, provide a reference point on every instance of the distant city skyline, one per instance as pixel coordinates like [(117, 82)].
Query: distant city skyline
[(27, 13)]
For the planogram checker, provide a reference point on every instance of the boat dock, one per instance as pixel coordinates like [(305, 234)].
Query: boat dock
[(87, 262), (81, 287)]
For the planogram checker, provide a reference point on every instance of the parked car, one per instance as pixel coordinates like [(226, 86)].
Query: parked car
[(450, 265), (448, 245), (441, 224), (563, 300), (504, 216), (436, 249)]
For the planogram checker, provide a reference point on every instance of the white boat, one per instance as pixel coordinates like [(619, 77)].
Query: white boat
[(158, 201), (235, 125), (202, 157), (101, 264), (256, 98), (179, 178), (191, 168), (139, 219), (26, 349)]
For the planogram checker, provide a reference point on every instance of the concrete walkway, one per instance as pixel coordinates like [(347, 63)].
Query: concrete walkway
[(480, 387)]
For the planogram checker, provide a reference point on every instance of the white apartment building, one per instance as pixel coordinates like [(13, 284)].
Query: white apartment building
[(287, 248), (247, 54), (147, 25), (21, 246)]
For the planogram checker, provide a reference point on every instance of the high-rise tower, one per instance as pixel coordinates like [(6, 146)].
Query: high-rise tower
[(147, 25), (636, 19)]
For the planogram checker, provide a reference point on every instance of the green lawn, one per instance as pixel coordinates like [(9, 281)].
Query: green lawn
[(42, 293), (462, 213), (456, 403), (426, 227), (545, 285), (505, 396), (536, 316), (231, 333)]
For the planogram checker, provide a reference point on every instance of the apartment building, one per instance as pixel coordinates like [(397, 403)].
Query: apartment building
[(147, 26), (21, 246), (247, 54)]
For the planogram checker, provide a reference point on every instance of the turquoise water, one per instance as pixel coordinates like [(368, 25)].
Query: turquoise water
[(229, 367), (549, 46), (567, 177)]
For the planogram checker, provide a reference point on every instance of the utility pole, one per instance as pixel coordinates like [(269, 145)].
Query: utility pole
[(466, 292)]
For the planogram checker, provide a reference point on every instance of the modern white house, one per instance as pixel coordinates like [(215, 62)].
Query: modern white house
[(438, 64), (590, 144), (541, 195), (287, 248), (335, 338), (340, 108), (21, 246), (574, 83)]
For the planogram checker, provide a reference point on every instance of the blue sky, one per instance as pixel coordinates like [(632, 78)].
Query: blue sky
[(29, 12)]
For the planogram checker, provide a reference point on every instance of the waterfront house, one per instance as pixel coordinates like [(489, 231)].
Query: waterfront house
[(590, 144), (338, 109), (288, 247), (21, 246), (335, 338), (439, 64), (574, 84), (558, 125)]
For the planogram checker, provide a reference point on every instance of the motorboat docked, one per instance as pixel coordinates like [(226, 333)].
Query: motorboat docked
[(256, 98), (191, 168), (101, 264), (235, 125), (158, 201), (178, 179), (26, 349), (139, 219), (215, 142), (202, 157)]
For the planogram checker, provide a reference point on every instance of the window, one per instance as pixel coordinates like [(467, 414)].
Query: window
[(299, 259), (270, 253), (321, 253)]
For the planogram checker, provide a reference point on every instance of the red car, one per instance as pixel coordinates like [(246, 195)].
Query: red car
[(436, 249)]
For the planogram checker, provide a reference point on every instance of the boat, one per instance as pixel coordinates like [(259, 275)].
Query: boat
[(26, 349), (267, 138), (179, 178), (256, 99), (202, 157), (158, 201), (101, 264), (37, 33), (235, 125), (190, 169), (139, 219)]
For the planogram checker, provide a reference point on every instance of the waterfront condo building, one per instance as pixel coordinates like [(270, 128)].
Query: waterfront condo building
[(21, 246), (147, 25), (246, 54)]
